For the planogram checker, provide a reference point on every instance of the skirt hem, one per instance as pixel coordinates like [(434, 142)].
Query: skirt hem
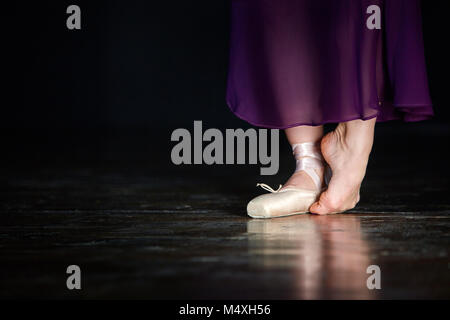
[(408, 117)]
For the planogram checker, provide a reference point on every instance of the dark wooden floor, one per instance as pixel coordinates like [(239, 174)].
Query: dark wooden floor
[(140, 227)]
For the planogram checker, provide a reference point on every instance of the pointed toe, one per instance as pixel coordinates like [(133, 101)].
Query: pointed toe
[(256, 209)]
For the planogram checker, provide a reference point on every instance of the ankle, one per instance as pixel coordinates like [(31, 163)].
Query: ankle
[(356, 136), (302, 180)]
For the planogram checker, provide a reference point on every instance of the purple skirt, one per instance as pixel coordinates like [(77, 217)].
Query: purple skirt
[(310, 62)]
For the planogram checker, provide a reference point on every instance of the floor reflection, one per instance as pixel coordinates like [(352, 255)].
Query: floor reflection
[(326, 257)]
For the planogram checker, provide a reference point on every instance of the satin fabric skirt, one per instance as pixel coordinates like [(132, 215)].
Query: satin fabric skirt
[(310, 62)]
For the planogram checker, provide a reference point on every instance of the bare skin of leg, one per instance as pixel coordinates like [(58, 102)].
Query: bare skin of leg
[(302, 134), (346, 150)]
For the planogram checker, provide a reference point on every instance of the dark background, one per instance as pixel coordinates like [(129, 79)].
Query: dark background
[(133, 64), (141, 64)]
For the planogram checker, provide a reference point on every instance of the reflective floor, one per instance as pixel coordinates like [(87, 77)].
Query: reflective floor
[(139, 228)]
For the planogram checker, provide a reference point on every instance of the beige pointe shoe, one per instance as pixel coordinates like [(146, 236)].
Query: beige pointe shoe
[(290, 201)]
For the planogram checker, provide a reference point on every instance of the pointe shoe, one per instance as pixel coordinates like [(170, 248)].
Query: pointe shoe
[(291, 201)]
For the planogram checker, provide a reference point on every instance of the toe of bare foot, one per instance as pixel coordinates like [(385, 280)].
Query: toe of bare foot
[(329, 205), (322, 206), (317, 208)]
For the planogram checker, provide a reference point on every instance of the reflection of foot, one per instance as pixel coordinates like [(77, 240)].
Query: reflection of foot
[(301, 190), (347, 151)]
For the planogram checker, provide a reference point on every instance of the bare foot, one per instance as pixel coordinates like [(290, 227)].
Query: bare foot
[(347, 151)]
